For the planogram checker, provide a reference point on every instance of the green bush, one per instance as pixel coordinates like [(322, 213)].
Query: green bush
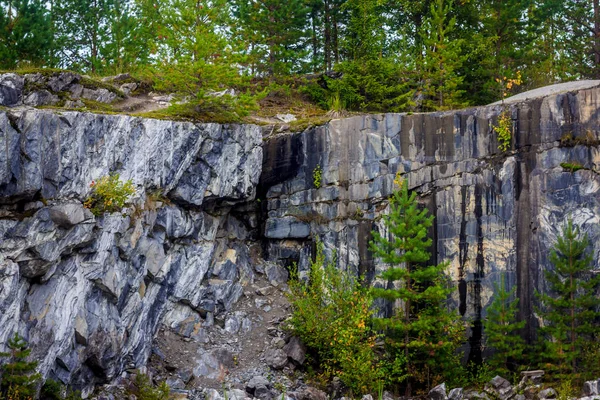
[(19, 376), (143, 389), (109, 195), (53, 390), (373, 85), (504, 131), (317, 177), (331, 316)]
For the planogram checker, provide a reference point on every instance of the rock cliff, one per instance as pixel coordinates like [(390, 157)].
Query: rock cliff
[(495, 213), (90, 293)]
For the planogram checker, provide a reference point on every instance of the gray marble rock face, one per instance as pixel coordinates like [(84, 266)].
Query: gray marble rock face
[(89, 292), (495, 213)]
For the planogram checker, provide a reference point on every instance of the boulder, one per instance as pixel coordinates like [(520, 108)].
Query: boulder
[(276, 274), (548, 393), (455, 394), (295, 350), (62, 81), (311, 393), (40, 98), (11, 89), (591, 388), (438, 392), (500, 387), (276, 358)]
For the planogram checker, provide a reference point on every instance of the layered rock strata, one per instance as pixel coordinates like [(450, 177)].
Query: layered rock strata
[(89, 293)]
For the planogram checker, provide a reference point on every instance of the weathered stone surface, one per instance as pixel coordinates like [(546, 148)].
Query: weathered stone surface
[(591, 388), (11, 89), (438, 392), (295, 350), (89, 292), (455, 394), (549, 393), (40, 98), (100, 95), (495, 213), (276, 358)]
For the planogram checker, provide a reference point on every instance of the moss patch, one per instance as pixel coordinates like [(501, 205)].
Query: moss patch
[(572, 166)]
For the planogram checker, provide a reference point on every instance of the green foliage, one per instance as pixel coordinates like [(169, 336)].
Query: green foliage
[(335, 104), (109, 194), (570, 307), (143, 389), (275, 33), (502, 331), (566, 390), (423, 335), (331, 316), (572, 166), (317, 176), (443, 58), (19, 376), (504, 130), (374, 84), (52, 390), (25, 34)]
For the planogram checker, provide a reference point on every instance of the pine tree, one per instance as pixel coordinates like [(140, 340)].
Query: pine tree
[(18, 377), (423, 335), (570, 308), (502, 331), (25, 33), (443, 58), (276, 33)]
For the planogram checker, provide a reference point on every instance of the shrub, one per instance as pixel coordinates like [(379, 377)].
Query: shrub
[(53, 390), (317, 176), (331, 316), (143, 389), (19, 377), (109, 195), (504, 131)]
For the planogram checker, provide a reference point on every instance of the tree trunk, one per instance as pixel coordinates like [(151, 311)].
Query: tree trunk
[(315, 42), (597, 36), (327, 36)]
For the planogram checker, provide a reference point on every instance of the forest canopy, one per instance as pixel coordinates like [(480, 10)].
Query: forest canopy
[(372, 55)]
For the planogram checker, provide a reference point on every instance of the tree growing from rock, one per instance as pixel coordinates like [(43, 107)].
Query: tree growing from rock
[(570, 307), (502, 331), (423, 334)]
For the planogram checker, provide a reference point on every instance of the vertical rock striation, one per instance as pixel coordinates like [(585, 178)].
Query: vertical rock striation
[(495, 213)]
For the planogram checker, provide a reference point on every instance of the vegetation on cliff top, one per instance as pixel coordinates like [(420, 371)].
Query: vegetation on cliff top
[(366, 55)]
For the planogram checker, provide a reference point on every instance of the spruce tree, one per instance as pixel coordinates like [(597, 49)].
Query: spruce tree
[(423, 335), (443, 58), (276, 32), (570, 308), (18, 378), (502, 331), (25, 33)]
